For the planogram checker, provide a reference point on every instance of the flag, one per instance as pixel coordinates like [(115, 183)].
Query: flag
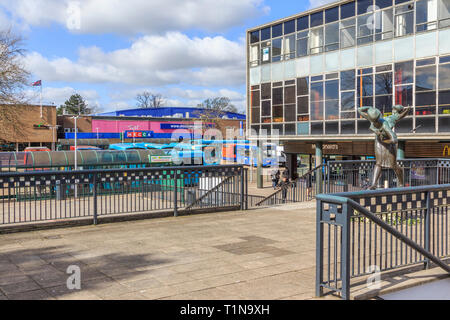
[(37, 83)]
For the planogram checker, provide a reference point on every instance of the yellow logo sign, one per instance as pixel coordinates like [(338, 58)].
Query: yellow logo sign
[(446, 151)]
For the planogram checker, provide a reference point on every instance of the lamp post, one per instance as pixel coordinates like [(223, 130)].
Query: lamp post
[(97, 132), (76, 144)]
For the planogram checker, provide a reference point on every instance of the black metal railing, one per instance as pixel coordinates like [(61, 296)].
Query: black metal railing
[(362, 232), (56, 195)]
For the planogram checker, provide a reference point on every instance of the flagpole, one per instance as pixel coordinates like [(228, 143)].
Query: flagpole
[(40, 99)]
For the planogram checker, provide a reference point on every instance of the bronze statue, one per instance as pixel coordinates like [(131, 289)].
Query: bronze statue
[(385, 141)]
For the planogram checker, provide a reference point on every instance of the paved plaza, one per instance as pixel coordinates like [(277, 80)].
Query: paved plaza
[(266, 253)]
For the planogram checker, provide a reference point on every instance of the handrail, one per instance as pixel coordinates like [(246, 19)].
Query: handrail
[(209, 192), (289, 185), (343, 200)]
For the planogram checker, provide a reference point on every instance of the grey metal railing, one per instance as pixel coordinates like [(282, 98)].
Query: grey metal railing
[(353, 175), (27, 197), (359, 232)]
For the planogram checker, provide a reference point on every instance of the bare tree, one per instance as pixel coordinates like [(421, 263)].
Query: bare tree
[(213, 109), (13, 79), (147, 99)]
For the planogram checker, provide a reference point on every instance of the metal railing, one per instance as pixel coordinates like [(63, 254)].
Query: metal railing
[(345, 176), (362, 232), (56, 195)]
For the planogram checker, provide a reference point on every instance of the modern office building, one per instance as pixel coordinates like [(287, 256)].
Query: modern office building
[(307, 75)]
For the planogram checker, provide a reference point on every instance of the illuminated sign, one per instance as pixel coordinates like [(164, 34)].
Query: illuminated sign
[(138, 134)]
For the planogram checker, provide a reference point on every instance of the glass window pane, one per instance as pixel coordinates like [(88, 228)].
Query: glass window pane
[(363, 127), (265, 34), (384, 104), (277, 96), (426, 15), (365, 28), (278, 128), (367, 86), (255, 115), (348, 33), (404, 126), (426, 78), (404, 95), (425, 99), (332, 109), (289, 27), (289, 95), (302, 23), (348, 100), (331, 14), (266, 90), (332, 90), (302, 105), (444, 124), (316, 128), (444, 78), (289, 129), (444, 100), (348, 80), (302, 86), (316, 110), (265, 53), (276, 48), (317, 19), (254, 36), (316, 40), (347, 127), (289, 113), (255, 101), (444, 13), (303, 128), (404, 72), (265, 108), (289, 47), (331, 127), (404, 20), (317, 91), (348, 10), (383, 24), (277, 113), (332, 36), (383, 83), (383, 3), (365, 6), (425, 125), (302, 46), (277, 30)]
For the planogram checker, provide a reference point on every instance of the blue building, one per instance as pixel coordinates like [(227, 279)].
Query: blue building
[(170, 112)]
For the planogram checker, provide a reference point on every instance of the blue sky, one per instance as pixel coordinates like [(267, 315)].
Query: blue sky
[(110, 50)]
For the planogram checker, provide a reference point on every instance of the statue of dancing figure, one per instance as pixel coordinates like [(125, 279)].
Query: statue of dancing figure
[(385, 141)]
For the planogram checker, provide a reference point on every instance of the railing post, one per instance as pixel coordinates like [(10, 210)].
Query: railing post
[(319, 249), (427, 229), (243, 192), (345, 251), (94, 192), (175, 193)]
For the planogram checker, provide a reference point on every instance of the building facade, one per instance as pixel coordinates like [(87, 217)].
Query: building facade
[(307, 75)]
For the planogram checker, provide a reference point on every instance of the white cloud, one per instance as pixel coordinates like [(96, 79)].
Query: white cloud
[(136, 16), (172, 58), (58, 96)]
